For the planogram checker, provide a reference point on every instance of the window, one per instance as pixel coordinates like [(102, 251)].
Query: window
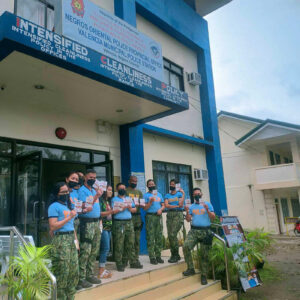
[(5, 190), (173, 75), (272, 161), (40, 12), (277, 159), (295, 207), (163, 172), (285, 208)]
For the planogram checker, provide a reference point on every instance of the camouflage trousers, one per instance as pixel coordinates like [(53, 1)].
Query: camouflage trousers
[(137, 226), (174, 224), (90, 235), (64, 259), (154, 235), (195, 236), (124, 242)]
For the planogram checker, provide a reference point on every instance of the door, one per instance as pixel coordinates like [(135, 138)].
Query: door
[(29, 205), (104, 171)]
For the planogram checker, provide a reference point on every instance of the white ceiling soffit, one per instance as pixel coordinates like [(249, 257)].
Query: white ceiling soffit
[(205, 7), (67, 92)]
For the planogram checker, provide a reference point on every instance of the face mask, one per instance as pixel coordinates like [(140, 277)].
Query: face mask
[(72, 184), (197, 198), (133, 185), (91, 182), (152, 188), (172, 188), (63, 198), (121, 192), (81, 181)]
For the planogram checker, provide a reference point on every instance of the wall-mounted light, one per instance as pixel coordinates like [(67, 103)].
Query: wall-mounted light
[(39, 86), (60, 133)]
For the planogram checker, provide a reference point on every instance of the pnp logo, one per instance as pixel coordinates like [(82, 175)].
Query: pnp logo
[(78, 7), (155, 51), (163, 85)]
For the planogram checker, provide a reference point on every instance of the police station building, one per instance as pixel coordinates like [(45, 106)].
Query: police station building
[(122, 86)]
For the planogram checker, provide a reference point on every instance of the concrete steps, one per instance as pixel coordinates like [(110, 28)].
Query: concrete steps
[(164, 283)]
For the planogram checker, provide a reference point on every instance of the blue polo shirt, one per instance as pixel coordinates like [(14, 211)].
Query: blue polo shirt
[(73, 197), (83, 194), (61, 212), (174, 200), (156, 204), (122, 215), (199, 214)]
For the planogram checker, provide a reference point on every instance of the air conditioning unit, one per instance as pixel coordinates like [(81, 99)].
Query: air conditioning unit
[(194, 78), (200, 174)]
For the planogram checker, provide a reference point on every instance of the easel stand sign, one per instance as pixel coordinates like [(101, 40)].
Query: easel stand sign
[(234, 234)]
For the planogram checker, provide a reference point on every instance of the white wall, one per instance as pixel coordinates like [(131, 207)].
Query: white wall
[(242, 199), (106, 4), (31, 123), (187, 122), (172, 151)]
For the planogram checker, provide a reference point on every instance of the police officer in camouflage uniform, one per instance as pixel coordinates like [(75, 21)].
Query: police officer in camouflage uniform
[(133, 192), (123, 230), (201, 213), (154, 206), (64, 254), (89, 230), (174, 202)]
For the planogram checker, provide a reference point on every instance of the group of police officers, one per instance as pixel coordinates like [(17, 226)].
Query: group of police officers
[(73, 257)]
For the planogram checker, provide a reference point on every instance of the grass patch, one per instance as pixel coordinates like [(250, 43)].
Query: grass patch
[(269, 273)]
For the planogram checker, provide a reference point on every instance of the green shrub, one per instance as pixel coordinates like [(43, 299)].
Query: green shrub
[(26, 277)]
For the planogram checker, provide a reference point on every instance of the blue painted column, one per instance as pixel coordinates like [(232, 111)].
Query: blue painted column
[(211, 132), (132, 160), (131, 138), (125, 10)]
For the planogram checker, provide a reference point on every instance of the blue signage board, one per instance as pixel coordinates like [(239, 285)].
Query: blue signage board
[(90, 25), (102, 67)]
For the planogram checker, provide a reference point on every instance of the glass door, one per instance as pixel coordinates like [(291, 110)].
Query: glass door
[(29, 205), (104, 171)]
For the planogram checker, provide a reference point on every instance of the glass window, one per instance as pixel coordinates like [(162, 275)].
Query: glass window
[(39, 12), (53, 153), (98, 158), (277, 159), (271, 155), (5, 148), (5, 190), (295, 207), (173, 75), (164, 172), (32, 10), (285, 208)]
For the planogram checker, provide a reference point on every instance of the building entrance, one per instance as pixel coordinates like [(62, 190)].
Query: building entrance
[(27, 175)]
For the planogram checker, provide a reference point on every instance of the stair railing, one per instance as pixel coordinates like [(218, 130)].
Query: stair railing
[(13, 231), (226, 261)]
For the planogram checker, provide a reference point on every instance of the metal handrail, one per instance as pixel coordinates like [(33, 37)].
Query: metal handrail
[(226, 260), (14, 231)]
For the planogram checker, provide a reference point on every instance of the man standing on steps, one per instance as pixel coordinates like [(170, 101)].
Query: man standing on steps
[(133, 192), (89, 231), (174, 203), (201, 213), (123, 230)]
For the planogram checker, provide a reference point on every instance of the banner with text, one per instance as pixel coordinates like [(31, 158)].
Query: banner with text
[(94, 27)]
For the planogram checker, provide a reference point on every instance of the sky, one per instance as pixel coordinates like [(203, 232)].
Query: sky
[(255, 49)]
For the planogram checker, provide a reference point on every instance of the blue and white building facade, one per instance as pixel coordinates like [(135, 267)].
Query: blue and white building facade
[(123, 86)]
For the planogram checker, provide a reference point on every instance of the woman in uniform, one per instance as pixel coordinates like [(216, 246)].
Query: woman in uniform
[(64, 254)]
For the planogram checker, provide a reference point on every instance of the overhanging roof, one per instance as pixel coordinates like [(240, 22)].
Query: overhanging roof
[(239, 117), (285, 129), (84, 82), (205, 7)]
